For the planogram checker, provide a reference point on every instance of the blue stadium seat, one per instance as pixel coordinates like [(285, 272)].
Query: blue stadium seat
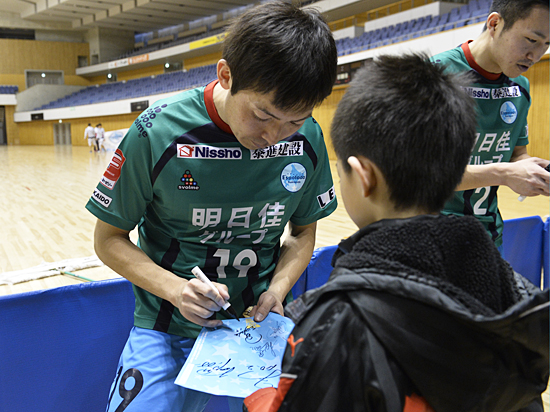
[(9, 89), (448, 26), (453, 16), (425, 23), (434, 22), (138, 87), (523, 246), (317, 272)]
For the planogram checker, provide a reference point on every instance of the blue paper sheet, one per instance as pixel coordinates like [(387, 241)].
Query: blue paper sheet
[(238, 358)]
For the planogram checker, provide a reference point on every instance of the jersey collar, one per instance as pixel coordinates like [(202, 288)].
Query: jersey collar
[(474, 65), (211, 108)]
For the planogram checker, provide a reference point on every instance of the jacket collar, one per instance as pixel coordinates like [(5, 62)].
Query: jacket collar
[(346, 245)]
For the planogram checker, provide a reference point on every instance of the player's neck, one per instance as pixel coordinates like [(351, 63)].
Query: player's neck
[(482, 54), (220, 100)]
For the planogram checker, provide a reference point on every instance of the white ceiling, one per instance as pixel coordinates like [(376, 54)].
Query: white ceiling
[(135, 15)]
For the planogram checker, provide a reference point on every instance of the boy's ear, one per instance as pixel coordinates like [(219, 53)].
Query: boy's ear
[(224, 74), (365, 171)]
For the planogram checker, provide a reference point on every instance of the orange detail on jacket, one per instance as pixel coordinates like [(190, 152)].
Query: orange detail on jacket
[(268, 399), (415, 403), (293, 344)]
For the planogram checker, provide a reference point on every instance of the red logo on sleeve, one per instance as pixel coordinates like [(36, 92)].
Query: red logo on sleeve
[(112, 173)]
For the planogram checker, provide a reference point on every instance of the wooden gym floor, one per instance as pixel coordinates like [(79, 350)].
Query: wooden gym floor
[(44, 190)]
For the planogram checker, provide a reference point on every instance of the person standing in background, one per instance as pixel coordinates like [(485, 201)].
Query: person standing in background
[(89, 133), (515, 37), (100, 137)]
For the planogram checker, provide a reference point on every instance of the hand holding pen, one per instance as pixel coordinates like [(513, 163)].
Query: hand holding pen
[(202, 277), (197, 301)]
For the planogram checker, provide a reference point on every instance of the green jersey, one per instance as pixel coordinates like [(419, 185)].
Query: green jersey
[(200, 198), (502, 106)]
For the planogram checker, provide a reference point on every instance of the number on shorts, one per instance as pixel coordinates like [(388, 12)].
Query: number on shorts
[(128, 395)]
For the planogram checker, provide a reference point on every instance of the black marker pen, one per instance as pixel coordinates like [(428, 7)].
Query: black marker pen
[(199, 274)]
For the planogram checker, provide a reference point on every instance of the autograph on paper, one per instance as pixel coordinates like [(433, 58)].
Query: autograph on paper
[(238, 358)]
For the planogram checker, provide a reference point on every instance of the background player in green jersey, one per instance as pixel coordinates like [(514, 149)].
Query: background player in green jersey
[(516, 36), (211, 176)]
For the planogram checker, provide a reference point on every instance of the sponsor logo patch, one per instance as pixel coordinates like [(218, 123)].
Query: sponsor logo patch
[(293, 177), (478, 92), (111, 175), (195, 151), (284, 149), (102, 198), (508, 112), (487, 94), (505, 92), (325, 198), (188, 182)]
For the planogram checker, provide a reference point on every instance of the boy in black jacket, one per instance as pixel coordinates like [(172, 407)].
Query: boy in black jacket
[(421, 313)]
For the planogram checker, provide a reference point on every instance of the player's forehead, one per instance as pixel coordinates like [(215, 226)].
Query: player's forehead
[(265, 102), (536, 23)]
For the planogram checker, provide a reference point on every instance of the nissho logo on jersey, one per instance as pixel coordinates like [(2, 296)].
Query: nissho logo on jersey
[(478, 92), (506, 92), (101, 198), (487, 94), (327, 197), (195, 151)]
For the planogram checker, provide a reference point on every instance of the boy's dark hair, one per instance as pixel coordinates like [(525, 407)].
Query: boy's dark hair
[(277, 47), (415, 122), (513, 10)]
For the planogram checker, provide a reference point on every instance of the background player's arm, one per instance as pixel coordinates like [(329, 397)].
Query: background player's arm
[(524, 174), (295, 255), (195, 300)]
